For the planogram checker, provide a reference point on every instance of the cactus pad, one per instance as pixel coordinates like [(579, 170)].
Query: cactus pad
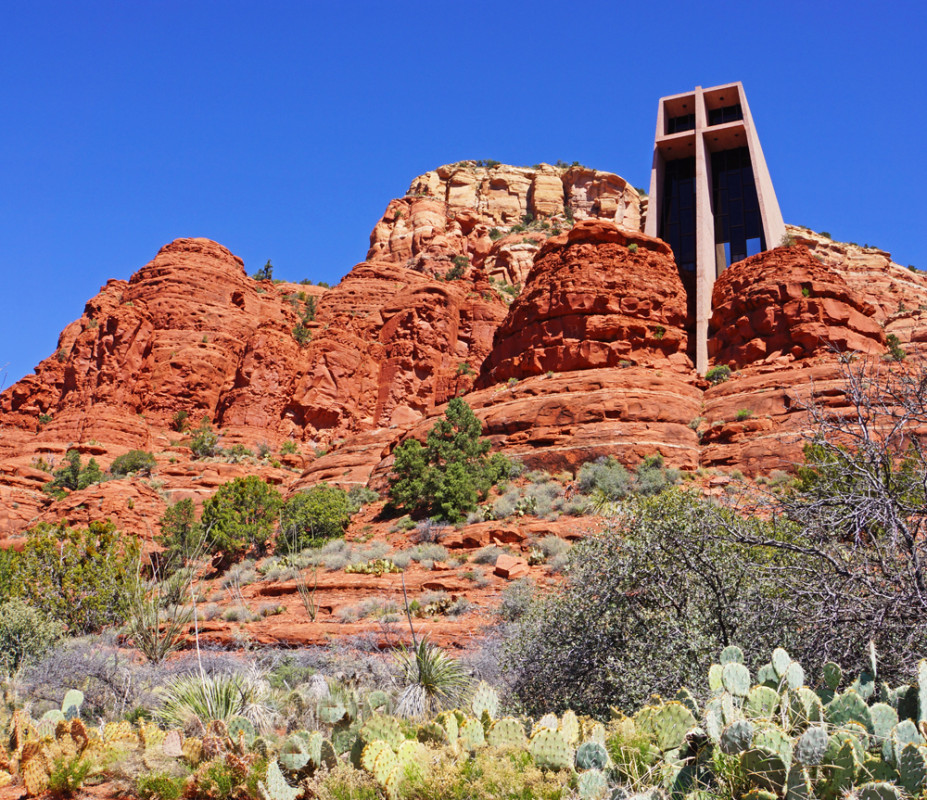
[(472, 735), (715, 682), (880, 790), (507, 732), (848, 707), (732, 654), (275, 787), (912, 768), (736, 678), (766, 676), (667, 724), (798, 784), (172, 746), (737, 737), (764, 768), (811, 746), (591, 755), (485, 698), (592, 785), (384, 728), (550, 750), (569, 727), (832, 675), (761, 702), (780, 661)]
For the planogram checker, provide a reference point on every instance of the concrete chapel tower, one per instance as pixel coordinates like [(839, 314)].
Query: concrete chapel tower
[(711, 198)]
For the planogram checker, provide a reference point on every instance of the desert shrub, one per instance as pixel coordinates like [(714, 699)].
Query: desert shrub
[(239, 515), (361, 496), (288, 447), (181, 536), (516, 599), (205, 441), (312, 517), (26, 634), (718, 374), (487, 555), (133, 461), (545, 499), (651, 477), (73, 476), (429, 552), (428, 531), (237, 453), (677, 587), (605, 475), (451, 473), (179, 421), (67, 774), (552, 545), (160, 786), (80, 576)]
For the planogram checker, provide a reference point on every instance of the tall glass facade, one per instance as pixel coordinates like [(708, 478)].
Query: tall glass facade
[(677, 227), (738, 225)]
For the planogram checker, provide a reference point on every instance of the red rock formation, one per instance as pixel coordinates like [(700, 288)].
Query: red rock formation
[(786, 303), (597, 296)]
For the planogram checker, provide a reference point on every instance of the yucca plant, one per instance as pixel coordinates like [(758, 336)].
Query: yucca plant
[(199, 698), (434, 680)]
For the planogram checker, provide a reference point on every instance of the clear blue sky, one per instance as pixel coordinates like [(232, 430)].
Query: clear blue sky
[(282, 129)]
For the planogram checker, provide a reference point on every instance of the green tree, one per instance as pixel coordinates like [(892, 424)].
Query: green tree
[(72, 476), (451, 473), (181, 535), (310, 518), (265, 273), (81, 576), (241, 514)]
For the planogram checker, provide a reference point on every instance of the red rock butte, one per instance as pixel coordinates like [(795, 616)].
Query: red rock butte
[(531, 292)]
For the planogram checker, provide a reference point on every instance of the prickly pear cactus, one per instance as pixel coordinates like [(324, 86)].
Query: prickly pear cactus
[(811, 746), (761, 702), (485, 699), (192, 749), (472, 735), (386, 729), (592, 785), (666, 724), (912, 769), (735, 678), (506, 732), (591, 755), (550, 750), (275, 787), (569, 727), (732, 654), (878, 791), (738, 736), (848, 707)]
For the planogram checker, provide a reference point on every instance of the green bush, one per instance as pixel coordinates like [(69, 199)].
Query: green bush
[(205, 441), (160, 786), (718, 374), (241, 514), (361, 496), (651, 477), (288, 447), (605, 475), (80, 576), (72, 476), (451, 473), (133, 461), (25, 634), (312, 517)]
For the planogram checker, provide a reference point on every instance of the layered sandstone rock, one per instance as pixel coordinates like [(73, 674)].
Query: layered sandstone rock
[(597, 296), (464, 210), (784, 302)]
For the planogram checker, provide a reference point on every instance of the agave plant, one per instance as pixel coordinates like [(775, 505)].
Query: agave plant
[(434, 680), (199, 698)]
